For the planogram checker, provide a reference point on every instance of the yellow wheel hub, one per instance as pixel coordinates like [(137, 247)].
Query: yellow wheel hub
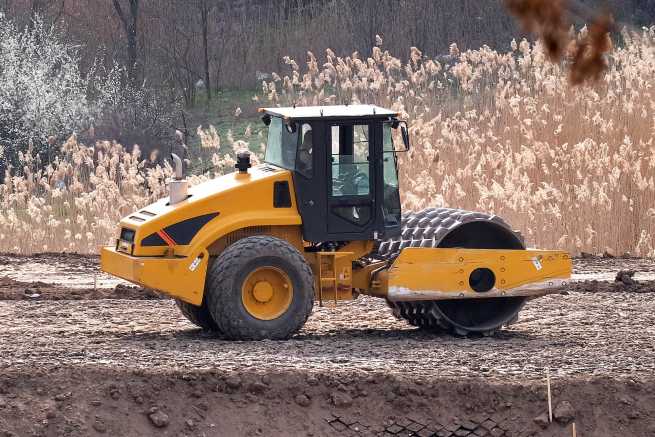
[(263, 291), (266, 293)]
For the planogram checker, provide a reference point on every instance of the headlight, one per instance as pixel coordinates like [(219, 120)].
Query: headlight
[(127, 235), (126, 241)]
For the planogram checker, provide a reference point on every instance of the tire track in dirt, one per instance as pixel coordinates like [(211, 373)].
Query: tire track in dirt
[(580, 334)]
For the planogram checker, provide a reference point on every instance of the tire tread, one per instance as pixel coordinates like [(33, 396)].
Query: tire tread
[(226, 268)]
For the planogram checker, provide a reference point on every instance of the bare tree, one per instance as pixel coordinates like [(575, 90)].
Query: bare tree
[(130, 26), (206, 7), (224, 43)]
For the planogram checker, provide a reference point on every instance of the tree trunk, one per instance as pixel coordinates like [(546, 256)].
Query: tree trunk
[(204, 16), (130, 27)]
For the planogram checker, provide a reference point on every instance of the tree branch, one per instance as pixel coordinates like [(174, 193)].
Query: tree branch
[(121, 14)]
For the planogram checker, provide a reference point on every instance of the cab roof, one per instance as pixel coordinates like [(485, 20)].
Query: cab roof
[(330, 112)]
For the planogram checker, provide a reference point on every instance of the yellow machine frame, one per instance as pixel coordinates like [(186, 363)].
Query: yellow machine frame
[(179, 269), (417, 273)]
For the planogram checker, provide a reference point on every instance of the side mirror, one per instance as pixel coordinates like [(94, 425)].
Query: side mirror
[(405, 134)]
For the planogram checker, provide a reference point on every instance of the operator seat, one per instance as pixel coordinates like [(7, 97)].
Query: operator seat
[(304, 164)]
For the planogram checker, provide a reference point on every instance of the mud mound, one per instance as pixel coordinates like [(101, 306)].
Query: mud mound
[(606, 268), (86, 402), (11, 289), (73, 260), (62, 271), (619, 286)]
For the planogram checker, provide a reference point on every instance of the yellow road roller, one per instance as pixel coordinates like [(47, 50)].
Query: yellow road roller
[(248, 254)]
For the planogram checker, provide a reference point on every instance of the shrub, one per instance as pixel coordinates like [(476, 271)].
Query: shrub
[(44, 98), (133, 113), (42, 91)]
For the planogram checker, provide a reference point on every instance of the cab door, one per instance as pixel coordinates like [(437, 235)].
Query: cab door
[(309, 180), (351, 211)]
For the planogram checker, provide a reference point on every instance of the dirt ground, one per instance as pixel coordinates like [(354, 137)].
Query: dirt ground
[(83, 354)]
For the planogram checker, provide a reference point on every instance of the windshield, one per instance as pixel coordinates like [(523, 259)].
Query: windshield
[(281, 145)]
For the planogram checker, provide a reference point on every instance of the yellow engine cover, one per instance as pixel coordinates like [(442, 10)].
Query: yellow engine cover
[(443, 274)]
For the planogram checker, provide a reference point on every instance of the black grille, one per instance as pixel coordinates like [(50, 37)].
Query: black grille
[(281, 195), (268, 168)]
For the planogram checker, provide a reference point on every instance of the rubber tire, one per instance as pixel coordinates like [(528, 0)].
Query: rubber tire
[(198, 315), (225, 278)]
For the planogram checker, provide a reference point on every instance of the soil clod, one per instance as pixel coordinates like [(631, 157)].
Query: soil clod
[(99, 425), (564, 412), (303, 400), (341, 400), (158, 418), (62, 396), (542, 420), (626, 277), (233, 382)]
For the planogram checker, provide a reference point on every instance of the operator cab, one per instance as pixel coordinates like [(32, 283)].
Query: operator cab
[(344, 167)]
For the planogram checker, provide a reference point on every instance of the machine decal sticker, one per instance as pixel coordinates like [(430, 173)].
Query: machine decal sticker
[(537, 264), (194, 265), (180, 233)]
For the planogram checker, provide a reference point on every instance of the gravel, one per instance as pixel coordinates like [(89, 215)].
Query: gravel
[(78, 361), (579, 334)]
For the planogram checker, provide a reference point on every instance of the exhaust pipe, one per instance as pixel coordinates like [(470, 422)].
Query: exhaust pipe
[(178, 186)]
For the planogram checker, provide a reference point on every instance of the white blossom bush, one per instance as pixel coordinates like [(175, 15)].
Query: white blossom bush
[(131, 113), (45, 98), (42, 91)]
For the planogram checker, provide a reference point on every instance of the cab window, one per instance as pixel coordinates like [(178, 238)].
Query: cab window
[(305, 158), (350, 150), (350, 160), (391, 203), (281, 144)]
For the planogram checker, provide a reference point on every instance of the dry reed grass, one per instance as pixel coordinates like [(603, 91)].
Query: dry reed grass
[(571, 167), (75, 203)]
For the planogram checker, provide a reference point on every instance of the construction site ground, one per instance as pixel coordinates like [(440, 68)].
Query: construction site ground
[(83, 354)]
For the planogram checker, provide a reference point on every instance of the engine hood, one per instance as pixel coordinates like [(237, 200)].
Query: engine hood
[(211, 209)]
